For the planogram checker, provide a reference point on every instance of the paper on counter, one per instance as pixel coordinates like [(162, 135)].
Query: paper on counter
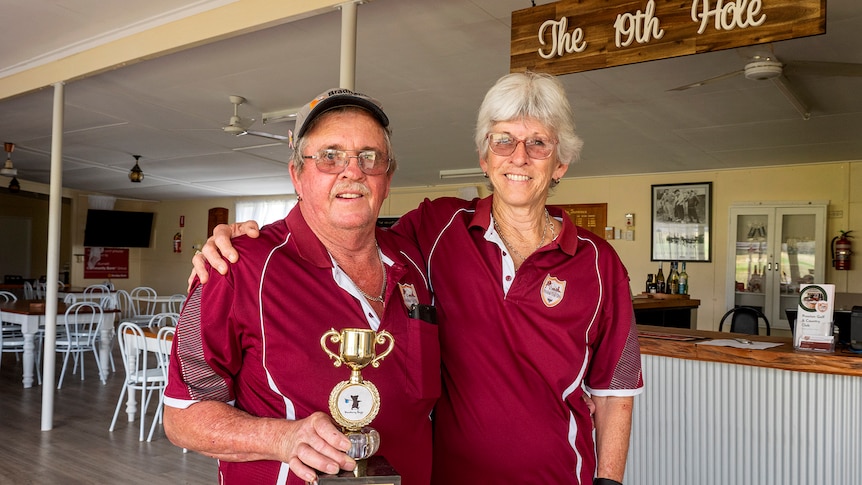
[(739, 345)]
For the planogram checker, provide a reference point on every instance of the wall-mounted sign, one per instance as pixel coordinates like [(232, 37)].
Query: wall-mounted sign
[(593, 217), (580, 35), (106, 263)]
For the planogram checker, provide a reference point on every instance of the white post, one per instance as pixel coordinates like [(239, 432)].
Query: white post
[(53, 271), (347, 78)]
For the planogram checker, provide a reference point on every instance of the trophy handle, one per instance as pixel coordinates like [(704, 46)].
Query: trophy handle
[(335, 337), (381, 338)]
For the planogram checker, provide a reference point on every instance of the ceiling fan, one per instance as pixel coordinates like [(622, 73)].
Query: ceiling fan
[(767, 67), (239, 126)]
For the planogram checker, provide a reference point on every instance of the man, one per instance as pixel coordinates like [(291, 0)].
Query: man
[(249, 383)]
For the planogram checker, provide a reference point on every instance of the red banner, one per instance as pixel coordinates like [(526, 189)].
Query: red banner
[(106, 263)]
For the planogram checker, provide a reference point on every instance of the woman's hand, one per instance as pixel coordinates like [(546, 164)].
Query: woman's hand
[(219, 245)]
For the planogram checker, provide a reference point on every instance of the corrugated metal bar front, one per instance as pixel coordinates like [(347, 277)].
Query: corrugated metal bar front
[(711, 423)]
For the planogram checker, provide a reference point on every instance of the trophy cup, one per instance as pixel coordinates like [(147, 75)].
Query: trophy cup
[(354, 403)]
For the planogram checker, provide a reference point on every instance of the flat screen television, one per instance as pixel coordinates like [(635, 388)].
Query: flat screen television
[(118, 229)]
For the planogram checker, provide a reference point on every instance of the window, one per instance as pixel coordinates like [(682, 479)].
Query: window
[(264, 211)]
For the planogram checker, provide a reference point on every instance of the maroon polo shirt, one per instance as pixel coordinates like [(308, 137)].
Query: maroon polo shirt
[(517, 347), (252, 338)]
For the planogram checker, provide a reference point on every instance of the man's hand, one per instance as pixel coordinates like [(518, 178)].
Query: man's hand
[(317, 444), (229, 434), (219, 245)]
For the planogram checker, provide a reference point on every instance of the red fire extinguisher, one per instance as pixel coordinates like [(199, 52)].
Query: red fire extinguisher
[(178, 243), (841, 251)]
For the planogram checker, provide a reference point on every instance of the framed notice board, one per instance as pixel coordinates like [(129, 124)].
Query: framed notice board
[(593, 217)]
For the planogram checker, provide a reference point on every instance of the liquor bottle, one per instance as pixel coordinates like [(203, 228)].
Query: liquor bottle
[(683, 281), (673, 278), (659, 279), (649, 283)]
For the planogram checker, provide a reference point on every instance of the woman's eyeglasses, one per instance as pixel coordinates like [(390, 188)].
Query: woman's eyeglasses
[(504, 144)]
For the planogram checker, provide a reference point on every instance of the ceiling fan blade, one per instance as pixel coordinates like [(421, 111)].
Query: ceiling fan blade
[(783, 85), (818, 68), (707, 81), (262, 134)]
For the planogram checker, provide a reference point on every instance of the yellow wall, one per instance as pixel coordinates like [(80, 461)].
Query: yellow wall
[(837, 183), (832, 182)]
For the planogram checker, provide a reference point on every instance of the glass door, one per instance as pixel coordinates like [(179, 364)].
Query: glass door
[(753, 229), (801, 258)]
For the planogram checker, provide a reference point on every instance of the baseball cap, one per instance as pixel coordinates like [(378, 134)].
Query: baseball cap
[(336, 98)]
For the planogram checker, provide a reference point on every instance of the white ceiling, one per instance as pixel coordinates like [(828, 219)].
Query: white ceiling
[(430, 64)]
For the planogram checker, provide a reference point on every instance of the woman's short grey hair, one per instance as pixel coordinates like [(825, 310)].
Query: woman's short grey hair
[(530, 95), (302, 143)]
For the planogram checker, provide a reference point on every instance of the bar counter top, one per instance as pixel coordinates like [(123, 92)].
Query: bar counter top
[(841, 362)]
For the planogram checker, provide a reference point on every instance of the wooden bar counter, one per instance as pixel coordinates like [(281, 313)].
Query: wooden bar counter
[(714, 415), (784, 357)]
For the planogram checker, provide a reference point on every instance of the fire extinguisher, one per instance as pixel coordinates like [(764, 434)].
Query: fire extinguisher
[(178, 243), (841, 251)]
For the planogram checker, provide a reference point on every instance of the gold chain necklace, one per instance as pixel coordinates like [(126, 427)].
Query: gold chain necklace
[(541, 243), (378, 299)]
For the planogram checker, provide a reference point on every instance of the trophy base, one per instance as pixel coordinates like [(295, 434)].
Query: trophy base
[(375, 470)]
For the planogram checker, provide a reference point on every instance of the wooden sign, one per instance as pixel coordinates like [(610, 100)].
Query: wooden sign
[(593, 217), (580, 35)]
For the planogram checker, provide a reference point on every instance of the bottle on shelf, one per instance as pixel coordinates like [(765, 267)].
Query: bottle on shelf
[(755, 282), (683, 281), (673, 279), (649, 284), (659, 280)]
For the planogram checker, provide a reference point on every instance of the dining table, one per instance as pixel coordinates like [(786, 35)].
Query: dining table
[(30, 314)]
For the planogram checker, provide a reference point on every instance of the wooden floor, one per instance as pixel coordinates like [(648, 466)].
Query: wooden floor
[(80, 449)]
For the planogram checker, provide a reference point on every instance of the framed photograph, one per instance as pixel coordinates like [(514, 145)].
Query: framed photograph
[(681, 222)]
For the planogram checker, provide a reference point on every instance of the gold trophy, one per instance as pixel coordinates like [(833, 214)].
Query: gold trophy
[(354, 403)]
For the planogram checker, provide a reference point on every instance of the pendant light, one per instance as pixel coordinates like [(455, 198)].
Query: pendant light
[(9, 170), (136, 174)]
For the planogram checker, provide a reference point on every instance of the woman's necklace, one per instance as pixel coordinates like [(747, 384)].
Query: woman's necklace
[(378, 299), (541, 243)]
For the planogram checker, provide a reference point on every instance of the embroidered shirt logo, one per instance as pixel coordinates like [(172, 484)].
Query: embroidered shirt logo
[(408, 294), (553, 291)]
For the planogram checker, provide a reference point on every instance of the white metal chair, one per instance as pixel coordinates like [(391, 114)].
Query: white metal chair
[(82, 323), (95, 289), (39, 290), (166, 319), (144, 301), (140, 375), (175, 305), (125, 305), (165, 339), (11, 337), (29, 291)]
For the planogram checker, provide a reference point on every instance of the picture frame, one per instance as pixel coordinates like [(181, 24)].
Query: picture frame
[(681, 222)]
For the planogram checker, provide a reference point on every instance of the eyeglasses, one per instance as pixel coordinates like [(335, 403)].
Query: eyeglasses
[(329, 160), (504, 144)]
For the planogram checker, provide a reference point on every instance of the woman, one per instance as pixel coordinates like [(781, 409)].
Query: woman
[(531, 309)]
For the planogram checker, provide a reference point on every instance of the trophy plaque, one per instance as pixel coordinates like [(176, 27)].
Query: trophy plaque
[(354, 403)]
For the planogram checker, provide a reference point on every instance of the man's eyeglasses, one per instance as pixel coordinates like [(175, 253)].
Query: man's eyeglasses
[(504, 144), (329, 160)]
